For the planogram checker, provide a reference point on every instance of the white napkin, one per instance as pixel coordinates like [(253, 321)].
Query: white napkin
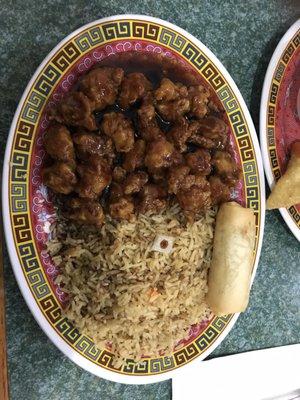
[(255, 375)]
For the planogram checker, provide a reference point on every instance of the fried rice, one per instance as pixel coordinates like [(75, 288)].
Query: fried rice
[(125, 296)]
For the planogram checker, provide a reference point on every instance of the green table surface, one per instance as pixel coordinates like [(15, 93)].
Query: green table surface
[(243, 35)]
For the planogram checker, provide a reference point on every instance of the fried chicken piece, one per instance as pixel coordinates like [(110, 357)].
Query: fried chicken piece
[(101, 86), (179, 178), (196, 198), (210, 133), (159, 176), (115, 192), (199, 98), (173, 110), (134, 182), (179, 134), (148, 126), (84, 211), (192, 191), (177, 158), (151, 199), (122, 208), (90, 144), (159, 154), (119, 174), (59, 177), (200, 140), (199, 162), (172, 100), (95, 175), (120, 129), (168, 91), (58, 143), (220, 192), (75, 109), (226, 166), (133, 88), (135, 157)]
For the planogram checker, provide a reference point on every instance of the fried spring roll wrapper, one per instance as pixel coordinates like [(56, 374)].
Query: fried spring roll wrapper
[(231, 266), (286, 192)]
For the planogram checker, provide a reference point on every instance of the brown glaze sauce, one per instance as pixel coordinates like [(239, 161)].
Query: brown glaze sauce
[(155, 67)]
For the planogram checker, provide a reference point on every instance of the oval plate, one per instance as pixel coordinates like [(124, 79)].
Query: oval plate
[(279, 118), (27, 207)]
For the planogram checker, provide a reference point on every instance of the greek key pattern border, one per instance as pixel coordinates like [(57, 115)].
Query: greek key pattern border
[(24, 135), (278, 75)]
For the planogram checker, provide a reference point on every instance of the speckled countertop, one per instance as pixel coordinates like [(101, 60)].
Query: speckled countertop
[(243, 34)]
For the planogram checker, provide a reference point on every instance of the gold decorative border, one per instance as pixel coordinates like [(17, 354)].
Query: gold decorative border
[(26, 129), (280, 69)]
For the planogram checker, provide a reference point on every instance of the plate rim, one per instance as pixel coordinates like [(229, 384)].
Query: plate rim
[(263, 115), (17, 269)]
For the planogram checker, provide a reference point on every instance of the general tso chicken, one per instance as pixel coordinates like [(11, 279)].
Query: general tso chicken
[(123, 144)]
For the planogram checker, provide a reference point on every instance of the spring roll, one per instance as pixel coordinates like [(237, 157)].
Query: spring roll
[(287, 190), (231, 266)]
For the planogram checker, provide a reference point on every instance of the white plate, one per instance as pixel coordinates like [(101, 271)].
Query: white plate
[(24, 195), (284, 56)]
